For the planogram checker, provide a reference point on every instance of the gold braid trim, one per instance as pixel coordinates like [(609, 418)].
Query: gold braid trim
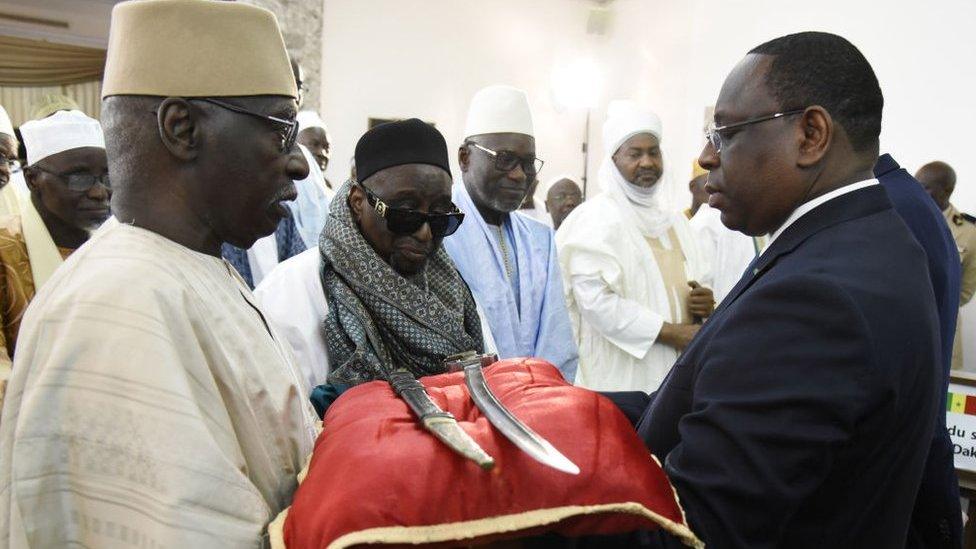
[(276, 530), (466, 530)]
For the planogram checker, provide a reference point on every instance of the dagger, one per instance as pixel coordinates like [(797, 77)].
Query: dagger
[(441, 424)]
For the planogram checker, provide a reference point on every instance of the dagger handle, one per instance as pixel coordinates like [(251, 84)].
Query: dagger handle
[(456, 363), (413, 393)]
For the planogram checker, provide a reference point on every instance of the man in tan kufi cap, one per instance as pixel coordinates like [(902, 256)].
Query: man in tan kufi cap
[(150, 403)]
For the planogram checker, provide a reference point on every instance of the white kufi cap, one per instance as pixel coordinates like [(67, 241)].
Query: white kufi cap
[(62, 131), (5, 125), (625, 119), (499, 109), (310, 119)]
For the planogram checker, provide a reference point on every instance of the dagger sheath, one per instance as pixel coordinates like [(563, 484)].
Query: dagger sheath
[(441, 424)]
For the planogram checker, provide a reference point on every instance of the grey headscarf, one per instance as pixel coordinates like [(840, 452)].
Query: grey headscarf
[(379, 321)]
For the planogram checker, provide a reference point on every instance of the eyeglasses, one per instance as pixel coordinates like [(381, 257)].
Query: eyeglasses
[(714, 133), (291, 126), (567, 195), (78, 182), (506, 161), (406, 221)]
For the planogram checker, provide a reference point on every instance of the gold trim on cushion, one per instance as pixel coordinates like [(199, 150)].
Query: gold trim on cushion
[(276, 530), (471, 529)]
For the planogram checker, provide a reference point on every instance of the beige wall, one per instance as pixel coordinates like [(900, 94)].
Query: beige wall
[(301, 24)]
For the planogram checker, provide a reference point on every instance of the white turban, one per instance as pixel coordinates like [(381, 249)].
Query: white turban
[(499, 109), (625, 119), (5, 125), (62, 131), (310, 119)]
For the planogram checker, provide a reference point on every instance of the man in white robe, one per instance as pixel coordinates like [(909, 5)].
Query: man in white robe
[(509, 261), (311, 207), (151, 405), (633, 269)]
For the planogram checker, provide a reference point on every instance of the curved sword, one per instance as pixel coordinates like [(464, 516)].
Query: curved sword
[(514, 430), (440, 423)]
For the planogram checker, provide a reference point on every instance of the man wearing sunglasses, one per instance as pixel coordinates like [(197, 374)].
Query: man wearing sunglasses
[(148, 390), (509, 261), (380, 282), (68, 181), (802, 413)]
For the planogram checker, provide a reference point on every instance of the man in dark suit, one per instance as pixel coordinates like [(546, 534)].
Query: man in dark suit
[(802, 413), (937, 518)]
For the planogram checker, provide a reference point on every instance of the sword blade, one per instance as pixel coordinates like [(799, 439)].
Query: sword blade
[(438, 422), (514, 430)]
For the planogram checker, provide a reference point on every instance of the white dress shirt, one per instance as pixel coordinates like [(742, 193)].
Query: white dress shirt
[(806, 207)]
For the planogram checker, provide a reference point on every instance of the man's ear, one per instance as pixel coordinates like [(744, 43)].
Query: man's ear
[(179, 128), (464, 157), (30, 177), (546, 204), (815, 134), (357, 203)]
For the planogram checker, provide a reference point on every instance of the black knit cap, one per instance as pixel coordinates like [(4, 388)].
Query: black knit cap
[(410, 141)]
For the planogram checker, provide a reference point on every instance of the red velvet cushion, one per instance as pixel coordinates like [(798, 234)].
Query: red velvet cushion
[(376, 477)]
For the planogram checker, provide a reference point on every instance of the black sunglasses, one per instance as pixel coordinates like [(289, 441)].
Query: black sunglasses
[(288, 138), (405, 221), (78, 182)]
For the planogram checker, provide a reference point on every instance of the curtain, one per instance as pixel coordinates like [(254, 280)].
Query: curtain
[(20, 101), (25, 62)]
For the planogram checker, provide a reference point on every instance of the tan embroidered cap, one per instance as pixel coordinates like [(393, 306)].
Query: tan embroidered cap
[(195, 48)]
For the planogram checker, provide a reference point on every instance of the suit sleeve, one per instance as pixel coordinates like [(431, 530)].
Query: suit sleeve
[(774, 401)]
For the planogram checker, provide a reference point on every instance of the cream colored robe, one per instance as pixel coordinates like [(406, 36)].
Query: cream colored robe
[(607, 261), (149, 405)]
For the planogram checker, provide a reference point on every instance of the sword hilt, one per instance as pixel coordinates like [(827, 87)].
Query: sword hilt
[(413, 393), (456, 363)]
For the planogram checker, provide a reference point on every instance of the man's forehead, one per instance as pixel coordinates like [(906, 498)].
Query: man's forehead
[(516, 142), (316, 133), (643, 140), (410, 176), (8, 142), (931, 175), (76, 158), (744, 91), (563, 185)]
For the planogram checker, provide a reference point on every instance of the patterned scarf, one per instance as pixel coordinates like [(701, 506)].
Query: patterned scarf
[(379, 321)]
